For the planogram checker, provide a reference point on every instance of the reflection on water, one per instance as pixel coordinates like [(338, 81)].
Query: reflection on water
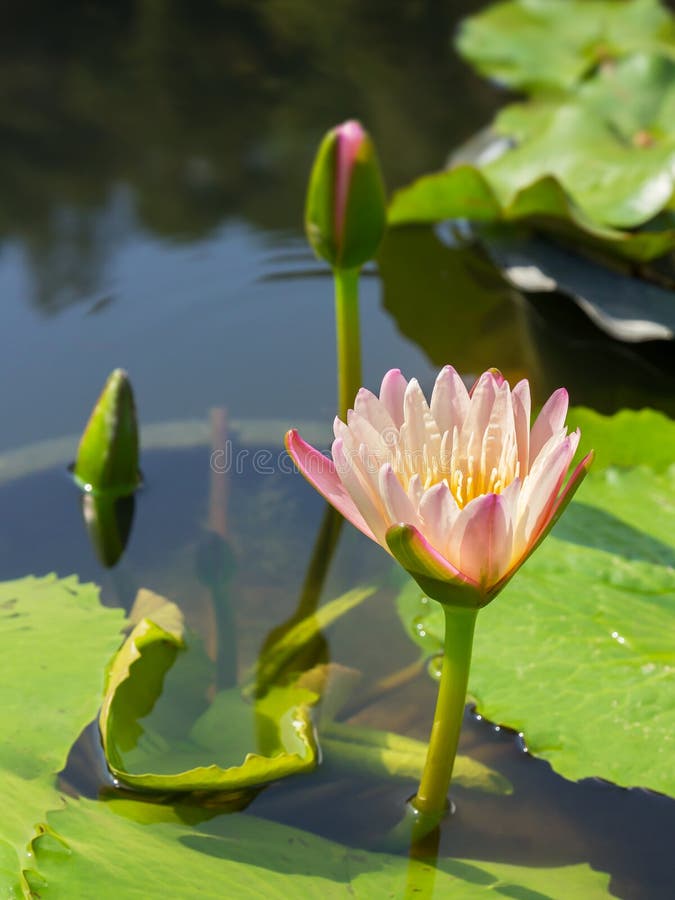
[(108, 521), (154, 161), (205, 112), (449, 297)]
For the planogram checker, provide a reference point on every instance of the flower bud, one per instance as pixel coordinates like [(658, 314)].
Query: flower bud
[(345, 212), (107, 458)]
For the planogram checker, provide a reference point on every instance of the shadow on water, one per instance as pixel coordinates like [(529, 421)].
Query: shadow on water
[(465, 311), (193, 114)]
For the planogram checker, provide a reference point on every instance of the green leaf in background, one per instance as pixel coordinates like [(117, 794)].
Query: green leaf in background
[(554, 44), (635, 98), (56, 639), (611, 146), (543, 204), (614, 184), (232, 746), (577, 652), (130, 849), (626, 440), (594, 164)]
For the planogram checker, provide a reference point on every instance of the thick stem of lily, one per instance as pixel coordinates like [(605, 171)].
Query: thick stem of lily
[(431, 797), (348, 337)]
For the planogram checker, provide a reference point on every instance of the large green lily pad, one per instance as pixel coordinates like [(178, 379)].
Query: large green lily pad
[(635, 98), (129, 849), (160, 735), (595, 165), (577, 652), (233, 745), (554, 44), (543, 204), (611, 146), (56, 639), (599, 163), (615, 184)]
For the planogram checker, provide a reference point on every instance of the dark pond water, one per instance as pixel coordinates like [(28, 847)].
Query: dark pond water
[(152, 173)]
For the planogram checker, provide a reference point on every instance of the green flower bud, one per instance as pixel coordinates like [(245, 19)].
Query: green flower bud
[(345, 212), (107, 458)]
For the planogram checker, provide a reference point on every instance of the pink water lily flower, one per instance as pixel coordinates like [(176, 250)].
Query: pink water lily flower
[(459, 490)]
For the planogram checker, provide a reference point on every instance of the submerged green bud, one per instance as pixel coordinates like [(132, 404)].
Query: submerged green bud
[(345, 212), (107, 458)]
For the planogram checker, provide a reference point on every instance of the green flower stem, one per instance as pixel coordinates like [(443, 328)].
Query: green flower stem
[(348, 338), (431, 797)]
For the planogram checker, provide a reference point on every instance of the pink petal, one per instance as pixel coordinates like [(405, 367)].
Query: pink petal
[(339, 428), (356, 445), (560, 506), (350, 136), (418, 557), (415, 491), (438, 512), (364, 432), (392, 393), (477, 420), (550, 420), (499, 438), (419, 427), (396, 501), (522, 410), (368, 467), (359, 489), (511, 495), (374, 411), (322, 475), (568, 492), (494, 376), (483, 536), (449, 400), (540, 490)]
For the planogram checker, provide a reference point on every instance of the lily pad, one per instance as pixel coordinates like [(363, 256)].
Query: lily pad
[(635, 97), (92, 849), (615, 184), (595, 165), (576, 653), (217, 752), (611, 146), (554, 44), (56, 639), (543, 204)]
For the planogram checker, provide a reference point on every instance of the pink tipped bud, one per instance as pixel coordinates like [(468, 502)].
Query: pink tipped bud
[(345, 214)]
